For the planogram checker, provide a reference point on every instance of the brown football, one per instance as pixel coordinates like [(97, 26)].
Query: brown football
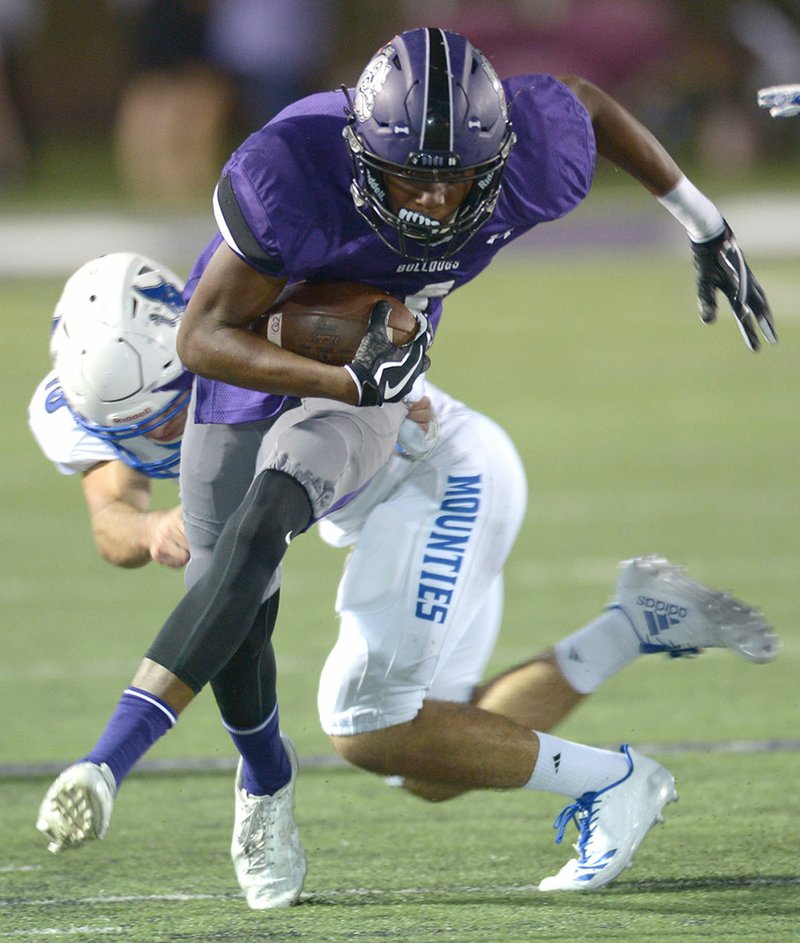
[(327, 320)]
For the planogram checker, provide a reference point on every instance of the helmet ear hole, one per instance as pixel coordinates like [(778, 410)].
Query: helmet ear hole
[(428, 106)]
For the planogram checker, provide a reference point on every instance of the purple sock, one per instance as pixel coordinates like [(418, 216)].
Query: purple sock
[(265, 763), (139, 720)]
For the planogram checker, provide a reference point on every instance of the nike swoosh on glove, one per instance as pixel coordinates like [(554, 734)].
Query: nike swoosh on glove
[(382, 371)]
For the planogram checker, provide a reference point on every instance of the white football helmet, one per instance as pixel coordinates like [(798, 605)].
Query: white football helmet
[(113, 349)]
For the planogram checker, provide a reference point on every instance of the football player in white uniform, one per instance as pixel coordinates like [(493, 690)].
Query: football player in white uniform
[(114, 407)]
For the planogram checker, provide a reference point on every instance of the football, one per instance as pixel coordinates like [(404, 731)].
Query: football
[(326, 321)]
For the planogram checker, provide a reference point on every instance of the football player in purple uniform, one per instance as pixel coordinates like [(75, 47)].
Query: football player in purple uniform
[(411, 182)]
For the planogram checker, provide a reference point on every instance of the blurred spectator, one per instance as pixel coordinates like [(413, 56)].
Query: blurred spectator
[(184, 80), (199, 66), (175, 109), (731, 48), (609, 42), (275, 50), (19, 20), (771, 32)]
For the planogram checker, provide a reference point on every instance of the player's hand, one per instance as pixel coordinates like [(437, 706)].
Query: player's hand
[(720, 265), (783, 101), (168, 543), (382, 371), (421, 412), (419, 431)]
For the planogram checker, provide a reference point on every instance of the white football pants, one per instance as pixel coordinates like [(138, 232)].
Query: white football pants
[(420, 601)]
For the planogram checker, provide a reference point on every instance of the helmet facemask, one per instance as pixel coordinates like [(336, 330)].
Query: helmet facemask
[(428, 108), (133, 441)]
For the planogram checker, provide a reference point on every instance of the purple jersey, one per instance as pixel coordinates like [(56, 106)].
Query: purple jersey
[(284, 205)]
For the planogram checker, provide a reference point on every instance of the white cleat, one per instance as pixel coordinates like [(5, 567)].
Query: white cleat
[(267, 854), (670, 612), (612, 824), (783, 101), (78, 806)]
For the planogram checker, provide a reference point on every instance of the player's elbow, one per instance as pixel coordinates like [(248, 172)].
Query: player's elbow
[(188, 347)]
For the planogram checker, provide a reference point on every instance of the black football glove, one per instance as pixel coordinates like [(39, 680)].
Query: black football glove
[(720, 264), (382, 371)]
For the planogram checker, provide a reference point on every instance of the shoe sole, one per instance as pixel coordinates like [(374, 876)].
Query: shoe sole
[(721, 609), (78, 813)]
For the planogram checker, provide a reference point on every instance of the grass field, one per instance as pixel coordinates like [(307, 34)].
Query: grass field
[(641, 431)]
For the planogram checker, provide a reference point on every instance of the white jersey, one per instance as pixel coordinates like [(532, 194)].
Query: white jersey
[(71, 449)]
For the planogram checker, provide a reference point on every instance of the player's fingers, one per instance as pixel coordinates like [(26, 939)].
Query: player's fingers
[(747, 325), (379, 317), (783, 101), (761, 310), (707, 304), (170, 554), (767, 327), (422, 326), (421, 412)]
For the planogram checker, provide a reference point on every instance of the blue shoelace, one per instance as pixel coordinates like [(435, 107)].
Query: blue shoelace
[(583, 811)]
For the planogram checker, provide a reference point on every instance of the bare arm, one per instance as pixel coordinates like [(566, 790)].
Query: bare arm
[(625, 141), (720, 265), (214, 340), (126, 532)]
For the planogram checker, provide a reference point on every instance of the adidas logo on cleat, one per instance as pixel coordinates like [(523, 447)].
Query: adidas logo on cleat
[(661, 615)]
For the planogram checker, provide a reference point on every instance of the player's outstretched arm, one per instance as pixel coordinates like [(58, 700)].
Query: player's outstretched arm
[(624, 140), (720, 264), (126, 532)]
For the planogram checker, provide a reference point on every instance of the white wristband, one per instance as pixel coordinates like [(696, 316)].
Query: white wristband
[(695, 212)]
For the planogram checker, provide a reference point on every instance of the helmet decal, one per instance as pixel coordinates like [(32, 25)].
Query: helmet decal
[(371, 83), (497, 85), (164, 293)]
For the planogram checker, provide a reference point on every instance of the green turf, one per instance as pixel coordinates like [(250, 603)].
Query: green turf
[(641, 430), (385, 867)]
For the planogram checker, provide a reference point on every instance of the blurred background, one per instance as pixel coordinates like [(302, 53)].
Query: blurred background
[(138, 102)]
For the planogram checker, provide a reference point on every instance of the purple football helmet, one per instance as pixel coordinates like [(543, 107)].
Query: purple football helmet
[(428, 107)]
